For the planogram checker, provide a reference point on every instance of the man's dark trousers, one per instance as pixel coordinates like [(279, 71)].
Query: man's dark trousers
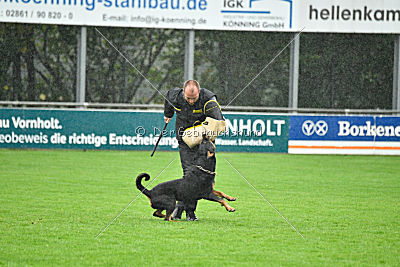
[(188, 157)]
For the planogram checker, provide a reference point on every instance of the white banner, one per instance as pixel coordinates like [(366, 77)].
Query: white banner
[(248, 15), (355, 16), (358, 16)]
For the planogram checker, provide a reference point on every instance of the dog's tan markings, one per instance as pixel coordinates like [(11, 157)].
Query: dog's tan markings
[(158, 213), (149, 200), (209, 154), (172, 220), (222, 194), (213, 145), (227, 207)]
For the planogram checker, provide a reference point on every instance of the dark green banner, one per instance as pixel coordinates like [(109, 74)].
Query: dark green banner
[(254, 133), (119, 130)]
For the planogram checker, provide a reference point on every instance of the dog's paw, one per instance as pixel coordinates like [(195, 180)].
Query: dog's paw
[(231, 199), (158, 214), (230, 209), (193, 219)]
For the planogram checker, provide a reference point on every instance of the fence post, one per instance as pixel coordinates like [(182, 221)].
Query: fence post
[(81, 67), (189, 55), (294, 71), (396, 74)]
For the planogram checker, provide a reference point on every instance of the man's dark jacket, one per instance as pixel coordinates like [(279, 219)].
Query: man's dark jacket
[(190, 115)]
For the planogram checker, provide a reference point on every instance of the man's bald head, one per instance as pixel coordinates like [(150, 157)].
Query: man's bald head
[(191, 91)]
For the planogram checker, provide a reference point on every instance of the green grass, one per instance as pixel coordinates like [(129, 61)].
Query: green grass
[(54, 203)]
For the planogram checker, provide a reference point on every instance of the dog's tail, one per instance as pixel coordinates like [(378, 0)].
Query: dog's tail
[(139, 183)]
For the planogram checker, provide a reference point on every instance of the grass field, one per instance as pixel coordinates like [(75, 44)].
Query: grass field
[(54, 203)]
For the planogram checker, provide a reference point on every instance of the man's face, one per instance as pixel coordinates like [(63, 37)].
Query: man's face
[(191, 94)]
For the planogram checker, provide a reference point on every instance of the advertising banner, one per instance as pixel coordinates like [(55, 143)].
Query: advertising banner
[(244, 15), (254, 133), (355, 16), (344, 135), (74, 129), (130, 130), (361, 16)]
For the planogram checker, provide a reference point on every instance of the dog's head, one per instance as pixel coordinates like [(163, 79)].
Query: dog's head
[(205, 155), (207, 147)]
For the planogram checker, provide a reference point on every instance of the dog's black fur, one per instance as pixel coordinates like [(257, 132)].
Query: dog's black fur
[(196, 184)]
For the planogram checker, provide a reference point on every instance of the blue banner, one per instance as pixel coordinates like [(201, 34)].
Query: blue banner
[(346, 128)]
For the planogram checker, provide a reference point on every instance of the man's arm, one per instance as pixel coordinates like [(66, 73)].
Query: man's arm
[(212, 109), (168, 108)]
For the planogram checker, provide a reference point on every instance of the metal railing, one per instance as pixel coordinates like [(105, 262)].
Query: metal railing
[(119, 106)]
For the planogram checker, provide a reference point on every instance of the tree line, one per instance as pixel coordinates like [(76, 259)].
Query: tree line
[(336, 70)]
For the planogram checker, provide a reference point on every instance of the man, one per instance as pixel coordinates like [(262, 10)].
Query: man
[(192, 105)]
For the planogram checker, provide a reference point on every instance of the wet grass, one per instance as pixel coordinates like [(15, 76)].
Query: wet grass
[(54, 203)]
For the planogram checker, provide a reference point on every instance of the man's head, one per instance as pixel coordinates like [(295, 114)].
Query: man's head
[(191, 91)]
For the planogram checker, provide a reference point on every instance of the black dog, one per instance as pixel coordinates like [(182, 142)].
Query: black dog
[(197, 184)]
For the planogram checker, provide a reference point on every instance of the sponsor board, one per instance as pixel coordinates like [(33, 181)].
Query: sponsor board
[(89, 129), (355, 16), (244, 15), (72, 129), (358, 16), (344, 135), (254, 133)]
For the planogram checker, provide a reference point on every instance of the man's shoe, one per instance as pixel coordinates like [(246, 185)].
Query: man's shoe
[(177, 213), (189, 218)]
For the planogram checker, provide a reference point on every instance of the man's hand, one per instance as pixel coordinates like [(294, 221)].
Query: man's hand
[(167, 120)]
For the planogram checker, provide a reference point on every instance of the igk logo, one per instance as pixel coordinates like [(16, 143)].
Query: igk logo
[(239, 3), (309, 128), (281, 9)]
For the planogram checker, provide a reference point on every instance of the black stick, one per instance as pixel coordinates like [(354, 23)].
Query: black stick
[(159, 138)]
